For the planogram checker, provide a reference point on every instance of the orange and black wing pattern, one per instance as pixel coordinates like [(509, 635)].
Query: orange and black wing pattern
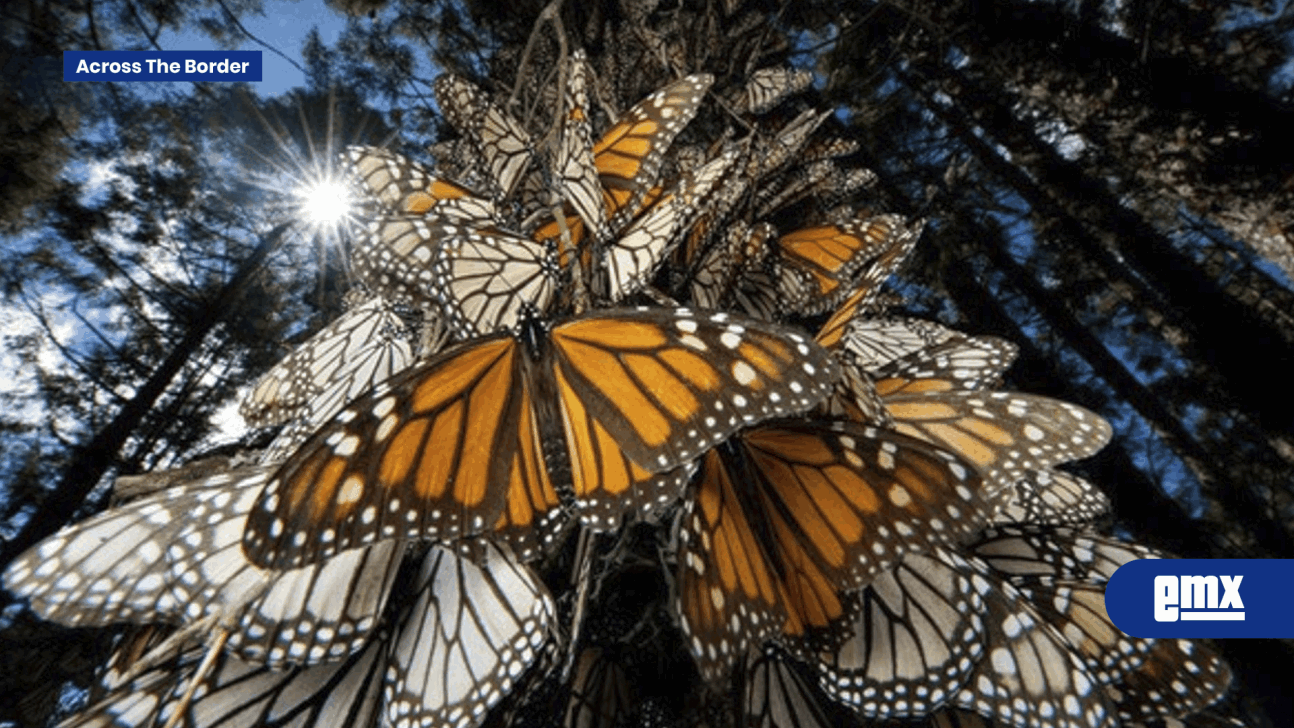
[(436, 452), (866, 284), (644, 391), (1001, 434), (787, 517), (630, 154), (576, 169), (626, 159), (939, 394), (632, 259), (456, 446), (961, 364)]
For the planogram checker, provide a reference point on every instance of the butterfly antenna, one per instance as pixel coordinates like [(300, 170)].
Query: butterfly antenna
[(208, 661)]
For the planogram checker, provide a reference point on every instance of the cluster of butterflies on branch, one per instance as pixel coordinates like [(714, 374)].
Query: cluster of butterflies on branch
[(641, 417)]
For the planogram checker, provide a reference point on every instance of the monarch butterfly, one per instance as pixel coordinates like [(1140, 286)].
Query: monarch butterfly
[(393, 254), (776, 695), (485, 281), (1062, 572), (817, 265), (474, 628), (944, 629), (71, 579), (830, 148), (960, 363), (1029, 676), (362, 347), (501, 141), (756, 294), (717, 272), (630, 154), (389, 256), (898, 349), (933, 394), (639, 393), (787, 516), (786, 144), (1002, 434), (866, 286), (875, 342), (633, 258), (457, 158), (176, 557), (1032, 550), (767, 87), (1178, 679), (825, 182), (916, 633), (690, 257), (1076, 609), (576, 170), (855, 397), (447, 654), (238, 694), (402, 186), (790, 187)]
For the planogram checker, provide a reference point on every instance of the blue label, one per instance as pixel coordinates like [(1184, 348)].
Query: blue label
[(1203, 598), (162, 66)]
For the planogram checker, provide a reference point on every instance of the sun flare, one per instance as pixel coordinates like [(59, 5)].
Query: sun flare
[(325, 203)]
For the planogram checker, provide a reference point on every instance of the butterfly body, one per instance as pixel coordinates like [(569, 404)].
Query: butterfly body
[(455, 446)]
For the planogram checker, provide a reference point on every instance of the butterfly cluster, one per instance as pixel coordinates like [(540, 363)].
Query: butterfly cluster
[(656, 344)]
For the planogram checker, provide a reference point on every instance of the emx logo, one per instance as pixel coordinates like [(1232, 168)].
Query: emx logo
[(1176, 595), (1201, 598)]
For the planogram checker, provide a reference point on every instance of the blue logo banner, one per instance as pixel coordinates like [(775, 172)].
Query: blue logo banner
[(162, 66), (1203, 598)]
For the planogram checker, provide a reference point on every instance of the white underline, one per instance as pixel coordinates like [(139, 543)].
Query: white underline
[(1212, 616)]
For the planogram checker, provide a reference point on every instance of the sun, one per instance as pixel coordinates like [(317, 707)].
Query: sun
[(324, 203)]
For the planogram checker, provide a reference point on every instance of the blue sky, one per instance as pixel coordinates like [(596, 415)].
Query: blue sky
[(284, 27)]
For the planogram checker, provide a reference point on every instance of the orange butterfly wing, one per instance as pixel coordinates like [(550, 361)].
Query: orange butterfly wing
[(1002, 434), (644, 391), (456, 446), (867, 283), (630, 154), (789, 516), (422, 456)]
